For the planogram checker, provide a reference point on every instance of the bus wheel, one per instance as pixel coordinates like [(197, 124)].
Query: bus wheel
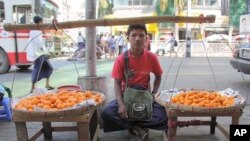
[(4, 62), (23, 67)]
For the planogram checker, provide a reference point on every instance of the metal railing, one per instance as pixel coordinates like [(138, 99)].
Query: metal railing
[(215, 49)]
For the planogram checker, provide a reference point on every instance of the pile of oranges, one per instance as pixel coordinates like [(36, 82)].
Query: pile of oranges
[(57, 101), (203, 99)]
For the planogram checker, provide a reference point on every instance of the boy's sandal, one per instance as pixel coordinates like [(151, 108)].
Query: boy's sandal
[(143, 132), (135, 139), (144, 137), (133, 136)]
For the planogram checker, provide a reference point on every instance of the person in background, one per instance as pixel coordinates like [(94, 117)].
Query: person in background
[(97, 38), (99, 51), (23, 20), (243, 25), (125, 43), (120, 43), (80, 41), (114, 115), (38, 54), (2, 16), (112, 43), (147, 43), (173, 44), (103, 42)]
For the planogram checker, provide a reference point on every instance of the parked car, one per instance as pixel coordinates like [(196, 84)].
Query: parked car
[(160, 48), (241, 58)]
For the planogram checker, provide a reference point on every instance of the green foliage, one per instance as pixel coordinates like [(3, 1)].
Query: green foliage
[(164, 8), (237, 8), (105, 8)]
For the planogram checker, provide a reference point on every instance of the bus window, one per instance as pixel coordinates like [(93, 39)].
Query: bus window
[(2, 14), (47, 9), (22, 14), (37, 8)]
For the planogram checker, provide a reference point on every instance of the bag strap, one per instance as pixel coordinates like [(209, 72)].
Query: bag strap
[(127, 73)]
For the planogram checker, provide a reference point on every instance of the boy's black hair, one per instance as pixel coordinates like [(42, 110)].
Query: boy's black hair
[(37, 19), (137, 26)]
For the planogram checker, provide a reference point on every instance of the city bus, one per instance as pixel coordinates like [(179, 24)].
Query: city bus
[(13, 44)]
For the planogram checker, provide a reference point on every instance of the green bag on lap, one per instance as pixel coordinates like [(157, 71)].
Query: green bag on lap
[(138, 104)]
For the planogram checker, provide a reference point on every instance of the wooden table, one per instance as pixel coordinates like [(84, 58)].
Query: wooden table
[(179, 110), (87, 127), (173, 122)]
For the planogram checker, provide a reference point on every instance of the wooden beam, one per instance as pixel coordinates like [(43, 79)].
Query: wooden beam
[(36, 135), (110, 22)]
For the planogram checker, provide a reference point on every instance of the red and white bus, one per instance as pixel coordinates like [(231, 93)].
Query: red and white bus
[(13, 44)]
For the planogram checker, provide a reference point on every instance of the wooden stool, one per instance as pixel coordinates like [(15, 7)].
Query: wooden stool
[(173, 122), (6, 112), (87, 127)]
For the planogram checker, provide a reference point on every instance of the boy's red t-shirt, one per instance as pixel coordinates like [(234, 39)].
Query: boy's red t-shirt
[(141, 66)]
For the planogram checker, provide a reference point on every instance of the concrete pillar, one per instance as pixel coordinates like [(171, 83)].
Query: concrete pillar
[(90, 34), (93, 83)]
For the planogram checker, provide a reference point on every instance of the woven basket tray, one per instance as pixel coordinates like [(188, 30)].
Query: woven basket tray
[(236, 107), (79, 110)]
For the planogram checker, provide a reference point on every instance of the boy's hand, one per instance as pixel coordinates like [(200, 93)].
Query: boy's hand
[(122, 112)]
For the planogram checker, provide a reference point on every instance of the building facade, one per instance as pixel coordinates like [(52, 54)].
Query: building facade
[(137, 8), (134, 8), (203, 7)]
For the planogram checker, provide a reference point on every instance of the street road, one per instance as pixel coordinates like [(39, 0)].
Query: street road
[(65, 73), (194, 72)]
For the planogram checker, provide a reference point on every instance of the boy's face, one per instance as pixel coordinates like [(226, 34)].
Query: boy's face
[(137, 38)]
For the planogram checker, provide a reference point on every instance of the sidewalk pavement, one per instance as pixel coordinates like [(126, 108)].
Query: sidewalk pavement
[(192, 133)]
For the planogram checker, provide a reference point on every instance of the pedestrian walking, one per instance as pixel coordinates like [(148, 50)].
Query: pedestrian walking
[(38, 54), (120, 43), (80, 41), (173, 43), (112, 44)]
